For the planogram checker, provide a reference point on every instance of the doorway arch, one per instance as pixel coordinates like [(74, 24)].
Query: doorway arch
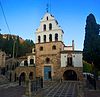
[(70, 75), (31, 75), (22, 77)]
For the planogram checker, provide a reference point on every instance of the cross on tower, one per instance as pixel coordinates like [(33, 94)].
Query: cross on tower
[(47, 7)]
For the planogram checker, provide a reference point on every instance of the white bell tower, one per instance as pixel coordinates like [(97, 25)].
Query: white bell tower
[(49, 30)]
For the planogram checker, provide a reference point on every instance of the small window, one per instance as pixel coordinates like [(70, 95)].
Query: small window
[(47, 18), (25, 63), (50, 26), (69, 61), (44, 38), (44, 27), (56, 37), (50, 37), (39, 39), (47, 60), (41, 48), (31, 61), (53, 47)]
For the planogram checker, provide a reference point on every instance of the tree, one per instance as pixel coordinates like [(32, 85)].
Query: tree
[(87, 67), (12, 44), (91, 50)]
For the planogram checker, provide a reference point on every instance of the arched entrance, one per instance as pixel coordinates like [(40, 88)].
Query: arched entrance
[(70, 75), (31, 75), (22, 78)]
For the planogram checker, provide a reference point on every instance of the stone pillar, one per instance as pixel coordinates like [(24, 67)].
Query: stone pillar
[(28, 92)]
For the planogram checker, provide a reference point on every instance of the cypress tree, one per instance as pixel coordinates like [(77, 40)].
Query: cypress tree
[(91, 50)]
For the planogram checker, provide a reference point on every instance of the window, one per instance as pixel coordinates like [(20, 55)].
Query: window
[(47, 18), (53, 47), (31, 61), (69, 61), (41, 48), (50, 26), (47, 60), (39, 39), (25, 63), (44, 27), (44, 38), (56, 37), (50, 37)]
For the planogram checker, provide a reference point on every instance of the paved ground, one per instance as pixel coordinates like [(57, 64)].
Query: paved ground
[(90, 92), (56, 89), (11, 90), (51, 89)]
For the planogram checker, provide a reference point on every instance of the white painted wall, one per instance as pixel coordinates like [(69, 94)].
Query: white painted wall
[(22, 63), (76, 59), (30, 57), (68, 48)]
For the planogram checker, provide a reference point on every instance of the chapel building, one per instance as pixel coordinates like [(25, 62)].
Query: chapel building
[(51, 59), (54, 60)]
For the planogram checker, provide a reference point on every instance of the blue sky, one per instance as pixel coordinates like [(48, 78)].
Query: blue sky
[(23, 17)]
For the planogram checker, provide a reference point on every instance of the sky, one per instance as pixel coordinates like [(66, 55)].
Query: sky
[(23, 17)]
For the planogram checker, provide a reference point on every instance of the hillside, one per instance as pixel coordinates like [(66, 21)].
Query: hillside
[(14, 44)]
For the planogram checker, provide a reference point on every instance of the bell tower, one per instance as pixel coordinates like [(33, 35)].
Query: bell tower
[(49, 44), (49, 30)]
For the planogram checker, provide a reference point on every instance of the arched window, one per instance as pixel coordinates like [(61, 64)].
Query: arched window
[(53, 47), (50, 26), (47, 60), (41, 48), (44, 27), (39, 39), (31, 61), (47, 18), (44, 38), (25, 63), (50, 37), (69, 61), (56, 37)]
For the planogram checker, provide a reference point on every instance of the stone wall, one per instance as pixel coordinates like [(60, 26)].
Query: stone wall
[(48, 52), (24, 69), (60, 72), (55, 61)]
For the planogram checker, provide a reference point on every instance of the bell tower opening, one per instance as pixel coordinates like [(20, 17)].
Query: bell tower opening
[(70, 75)]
